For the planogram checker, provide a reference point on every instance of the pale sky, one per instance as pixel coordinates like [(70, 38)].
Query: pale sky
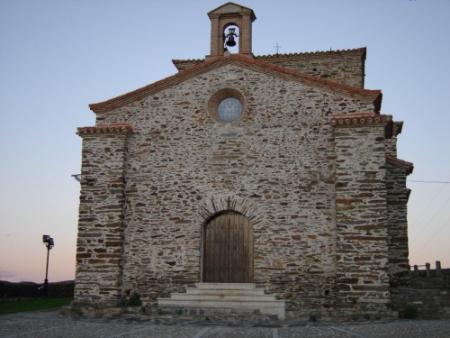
[(56, 57)]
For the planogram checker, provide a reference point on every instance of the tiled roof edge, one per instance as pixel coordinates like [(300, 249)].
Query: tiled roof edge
[(116, 128), (361, 51), (101, 107)]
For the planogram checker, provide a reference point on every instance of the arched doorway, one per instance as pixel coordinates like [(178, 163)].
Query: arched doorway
[(228, 249)]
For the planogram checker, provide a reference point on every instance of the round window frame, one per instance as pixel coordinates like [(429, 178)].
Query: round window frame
[(218, 97)]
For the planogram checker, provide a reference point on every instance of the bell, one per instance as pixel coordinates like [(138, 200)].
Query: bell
[(230, 41), (229, 38)]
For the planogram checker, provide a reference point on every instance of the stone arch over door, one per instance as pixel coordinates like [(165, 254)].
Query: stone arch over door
[(228, 248)]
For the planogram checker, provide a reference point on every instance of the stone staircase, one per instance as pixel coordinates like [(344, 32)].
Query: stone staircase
[(238, 297)]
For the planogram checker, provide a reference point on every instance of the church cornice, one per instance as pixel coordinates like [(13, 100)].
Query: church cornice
[(360, 119), (398, 126), (398, 163), (116, 128), (363, 119), (245, 61)]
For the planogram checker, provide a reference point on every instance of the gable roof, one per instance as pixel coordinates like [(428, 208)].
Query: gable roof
[(182, 64), (243, 61), (231, 7)]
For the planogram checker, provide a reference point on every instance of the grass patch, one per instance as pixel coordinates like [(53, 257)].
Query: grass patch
[(33, 304)]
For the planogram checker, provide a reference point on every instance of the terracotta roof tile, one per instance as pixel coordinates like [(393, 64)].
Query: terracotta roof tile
[(270, 57), (246, 61), (361, 51), (215, 10), (115, 128)]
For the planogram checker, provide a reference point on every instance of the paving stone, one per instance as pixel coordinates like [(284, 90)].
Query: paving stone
[(51, 324)]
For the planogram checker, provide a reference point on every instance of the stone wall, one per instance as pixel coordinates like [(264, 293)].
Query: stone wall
[(362, 282), (278, 160), (391, 143), (397, 200), (346, 66), (314, 193), (391, 146), (341, 66), (100, 224), (422, 294)]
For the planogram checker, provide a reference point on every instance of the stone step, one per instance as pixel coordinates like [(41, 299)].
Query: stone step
[(269, 307), (239, 297), (243, 292), (215, 286), (222, 296)]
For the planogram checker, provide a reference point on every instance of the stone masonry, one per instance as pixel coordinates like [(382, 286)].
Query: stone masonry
[(345, 66), (100, 225), (309, 163)]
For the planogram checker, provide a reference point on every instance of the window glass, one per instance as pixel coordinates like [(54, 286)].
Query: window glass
[(230, 109)]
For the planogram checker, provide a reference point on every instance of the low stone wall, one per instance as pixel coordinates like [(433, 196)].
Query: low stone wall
[(422, 294)]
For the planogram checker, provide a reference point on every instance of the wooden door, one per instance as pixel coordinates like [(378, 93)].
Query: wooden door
[(228, 249)]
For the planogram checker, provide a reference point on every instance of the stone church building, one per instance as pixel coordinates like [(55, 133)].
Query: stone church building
[(256, 183)]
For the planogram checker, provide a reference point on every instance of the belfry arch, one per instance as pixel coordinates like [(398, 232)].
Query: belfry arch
[(231, 14), (231, 32)]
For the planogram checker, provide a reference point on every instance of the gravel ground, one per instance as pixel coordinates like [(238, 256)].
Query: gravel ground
[(52, 324)]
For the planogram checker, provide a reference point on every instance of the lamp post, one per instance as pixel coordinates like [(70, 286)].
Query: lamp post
[(49, 243)]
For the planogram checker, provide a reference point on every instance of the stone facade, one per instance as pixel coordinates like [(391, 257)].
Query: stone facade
[(100, 225), (306, 164), (345, 66), (361, 219), (397, 199)]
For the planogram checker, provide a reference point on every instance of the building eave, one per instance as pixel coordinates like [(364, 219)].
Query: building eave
[(398, 163), (244, 61), (102, 129)]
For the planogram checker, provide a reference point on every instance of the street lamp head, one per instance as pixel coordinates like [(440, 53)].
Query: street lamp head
[(48, 241)]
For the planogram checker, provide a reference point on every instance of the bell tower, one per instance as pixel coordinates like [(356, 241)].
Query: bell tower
[(224, 21)]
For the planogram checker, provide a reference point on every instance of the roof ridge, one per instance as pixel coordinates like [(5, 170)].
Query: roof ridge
[(187, 60), (248, 61), (307, 53), (231, 3)]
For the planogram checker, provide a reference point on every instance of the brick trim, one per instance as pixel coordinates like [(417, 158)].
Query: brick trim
[(117, 128), (359, 119), (242, 60), (396, 162)]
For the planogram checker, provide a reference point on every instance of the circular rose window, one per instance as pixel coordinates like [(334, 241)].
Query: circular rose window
[(227, 105), (229, 109)]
